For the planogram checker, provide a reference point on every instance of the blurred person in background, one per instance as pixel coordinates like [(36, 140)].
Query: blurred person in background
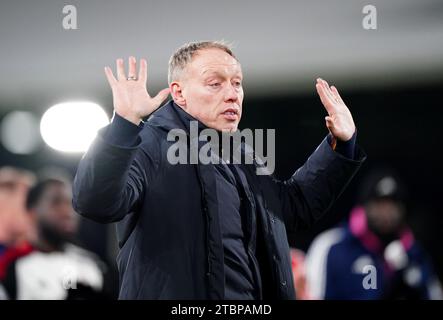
[(374, 255), (14, 186), (298, 262), (54, 267)]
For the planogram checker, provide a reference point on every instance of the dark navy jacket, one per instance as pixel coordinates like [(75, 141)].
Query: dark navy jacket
[(168, 225)]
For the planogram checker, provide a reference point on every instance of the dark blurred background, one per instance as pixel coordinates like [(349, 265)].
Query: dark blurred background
[(391, 78)]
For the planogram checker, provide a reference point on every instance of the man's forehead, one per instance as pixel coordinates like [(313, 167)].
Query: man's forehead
[(220, 68), (215, 60), (57, 190)]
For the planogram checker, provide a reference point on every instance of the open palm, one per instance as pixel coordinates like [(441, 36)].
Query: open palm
[(130, 95), (339, 120)]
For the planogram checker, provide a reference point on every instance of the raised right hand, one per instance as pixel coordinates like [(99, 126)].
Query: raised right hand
[(131, 98)]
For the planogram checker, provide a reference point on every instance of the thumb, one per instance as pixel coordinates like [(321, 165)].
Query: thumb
[(329, 123), (161, 96)]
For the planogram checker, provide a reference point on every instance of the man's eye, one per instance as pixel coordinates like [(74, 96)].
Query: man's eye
[(215, 84), (237, 84)]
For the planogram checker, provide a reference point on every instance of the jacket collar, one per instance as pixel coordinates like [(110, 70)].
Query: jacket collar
[(171, 116)]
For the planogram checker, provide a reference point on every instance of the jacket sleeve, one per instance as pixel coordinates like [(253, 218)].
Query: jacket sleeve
[(314, 187), (112, 176)]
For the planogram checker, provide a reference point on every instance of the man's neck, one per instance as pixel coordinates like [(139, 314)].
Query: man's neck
[(46, 246)]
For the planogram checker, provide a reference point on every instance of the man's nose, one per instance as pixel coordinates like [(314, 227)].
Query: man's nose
[(231, 94), (65, 209)]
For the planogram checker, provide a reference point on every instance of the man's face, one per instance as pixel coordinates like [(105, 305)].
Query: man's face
[(55, 210), (14, 218), (385, 215), (211, 89)]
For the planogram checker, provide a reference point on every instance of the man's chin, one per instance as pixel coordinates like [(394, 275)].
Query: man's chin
[(228, 128)]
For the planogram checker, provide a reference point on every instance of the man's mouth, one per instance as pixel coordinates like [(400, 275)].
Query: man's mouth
[(230, 114)]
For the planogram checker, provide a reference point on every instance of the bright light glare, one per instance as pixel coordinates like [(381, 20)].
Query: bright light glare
[(72, 126), (19, 132)]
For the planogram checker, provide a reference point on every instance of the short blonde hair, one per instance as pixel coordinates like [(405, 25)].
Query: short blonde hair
[(186, 52)]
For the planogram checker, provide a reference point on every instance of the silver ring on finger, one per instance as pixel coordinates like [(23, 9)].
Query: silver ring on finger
[(131, 78)]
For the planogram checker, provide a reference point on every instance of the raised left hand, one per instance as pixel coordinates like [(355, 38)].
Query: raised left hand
[(339, 120)]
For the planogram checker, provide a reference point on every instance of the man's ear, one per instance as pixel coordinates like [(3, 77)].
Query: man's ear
[(177, 93)]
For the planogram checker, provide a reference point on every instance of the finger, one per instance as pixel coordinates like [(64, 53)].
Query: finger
[(160, 97), (120, 70), (110, 76), (325, 100), (321, 93), (329, 122), (143, 72), (330, 126), (336, 94), (324, 85), (132, 67), (328, 91)]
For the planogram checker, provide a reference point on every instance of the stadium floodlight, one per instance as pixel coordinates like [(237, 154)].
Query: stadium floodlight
[(19, 132), (72, 126)]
